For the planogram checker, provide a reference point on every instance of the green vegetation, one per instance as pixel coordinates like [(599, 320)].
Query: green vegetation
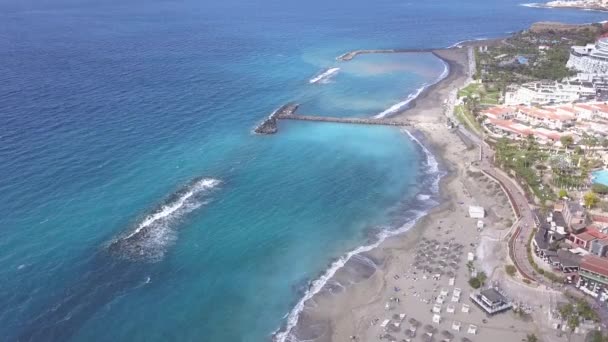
[(599, 188), (596, 336), (478, 281), (591, 199), (573, 313), (566, 141), (519, 59), (531, 338), (521, 158), (484, 95), (562, 193), (466, 117), (510, 269)]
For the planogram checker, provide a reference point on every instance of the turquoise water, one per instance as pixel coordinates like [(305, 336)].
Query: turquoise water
[(600, 176), (138, 206)]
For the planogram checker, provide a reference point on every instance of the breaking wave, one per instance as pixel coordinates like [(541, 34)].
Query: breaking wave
[(534, 5), (457, 44), (432, 175), (411, 97), (325, 76), (150, 237)]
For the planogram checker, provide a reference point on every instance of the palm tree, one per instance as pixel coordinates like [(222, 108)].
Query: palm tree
[(531, 338)]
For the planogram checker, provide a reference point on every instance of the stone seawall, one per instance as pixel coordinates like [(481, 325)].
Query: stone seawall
[(269, 126)]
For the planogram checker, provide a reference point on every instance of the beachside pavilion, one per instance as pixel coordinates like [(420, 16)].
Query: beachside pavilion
[(593, 276), (491, 301)]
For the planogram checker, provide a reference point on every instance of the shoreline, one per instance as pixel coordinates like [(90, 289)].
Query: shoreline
[(349, 304), (426, 98), (563, 5)]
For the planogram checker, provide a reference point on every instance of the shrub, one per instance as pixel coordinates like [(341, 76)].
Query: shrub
[(599, 188), (475, 283), (510, 269)]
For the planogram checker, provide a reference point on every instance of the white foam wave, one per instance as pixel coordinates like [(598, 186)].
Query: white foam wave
[(292, 318), (535, 5), (411, 97), (171, 208), (399, 105), (465, 41), (156, 231), (285, 335), (324, 76), (423, 197)]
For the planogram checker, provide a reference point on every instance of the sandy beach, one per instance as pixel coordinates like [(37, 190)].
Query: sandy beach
[(389, 290)]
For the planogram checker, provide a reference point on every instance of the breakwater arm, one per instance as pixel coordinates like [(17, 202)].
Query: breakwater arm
[(288, 112), (269, 126), (357, 121), (352, 54)]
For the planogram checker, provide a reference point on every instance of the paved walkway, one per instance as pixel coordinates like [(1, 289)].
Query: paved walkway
[(522, 208)]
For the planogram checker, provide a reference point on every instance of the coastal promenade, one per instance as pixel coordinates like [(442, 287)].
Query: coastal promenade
[(525, 215)]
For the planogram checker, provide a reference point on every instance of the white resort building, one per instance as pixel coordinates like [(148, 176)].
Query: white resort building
[(547, 92), (591, 58)]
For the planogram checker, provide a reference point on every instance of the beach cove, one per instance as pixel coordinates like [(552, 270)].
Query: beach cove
[(139, 205)]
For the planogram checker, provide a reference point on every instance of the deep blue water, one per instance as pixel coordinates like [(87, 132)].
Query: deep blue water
[(116, 117)]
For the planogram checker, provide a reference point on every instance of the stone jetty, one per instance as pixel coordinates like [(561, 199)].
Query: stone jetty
[(357, 121), (288, 112), (269, 126), (352, 54)]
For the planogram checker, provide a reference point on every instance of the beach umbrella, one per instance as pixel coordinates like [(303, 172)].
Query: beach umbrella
[(443, 263), (438, 270), (410, 333), (428, 269), (414, 322), (448, 335), (396, 317), (465, 339), (430, 329), (427, 338), (450, 274)]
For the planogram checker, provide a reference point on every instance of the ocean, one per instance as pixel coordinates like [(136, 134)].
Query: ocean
[(137, 205)]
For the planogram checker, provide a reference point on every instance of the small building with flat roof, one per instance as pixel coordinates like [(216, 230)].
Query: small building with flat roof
[(491, 301), (476, 212)]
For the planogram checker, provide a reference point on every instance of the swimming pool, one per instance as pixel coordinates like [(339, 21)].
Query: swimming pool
[(600, 176)]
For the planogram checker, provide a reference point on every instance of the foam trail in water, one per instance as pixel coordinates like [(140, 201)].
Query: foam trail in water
[(151, 236), (324, 76), (411, 97), (431, 169)]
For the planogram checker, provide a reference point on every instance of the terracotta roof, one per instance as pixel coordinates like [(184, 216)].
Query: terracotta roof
[(602, 107), (585, 236), (599, 218), (595, 264), (546, 113), (586, 107), (595, 233)]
